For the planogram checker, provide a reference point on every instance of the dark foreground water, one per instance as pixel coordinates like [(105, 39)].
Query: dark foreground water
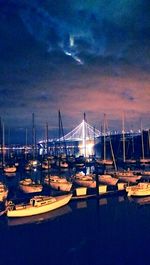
[(110, 231)]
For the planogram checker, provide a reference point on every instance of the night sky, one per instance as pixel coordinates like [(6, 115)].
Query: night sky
[(77, 56)]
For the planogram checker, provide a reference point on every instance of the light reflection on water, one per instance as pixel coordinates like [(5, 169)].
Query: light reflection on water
[(37, 219), (109, 231), (140, 200)]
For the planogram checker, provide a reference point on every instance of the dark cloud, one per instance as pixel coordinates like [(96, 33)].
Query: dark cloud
[(77, 56), (101, 28)]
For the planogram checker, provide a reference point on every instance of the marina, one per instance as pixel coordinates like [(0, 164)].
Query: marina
[(75, 204), (74, 132), (96, 217), (104, 231)]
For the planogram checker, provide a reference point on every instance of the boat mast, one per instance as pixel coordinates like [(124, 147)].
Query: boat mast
[(3, 144), (94, 143), (149, 140), (104, 136), (8, 143), (123, 139), (33, 136), (61, 130), (47, 138), (132, 144), (84, 136), (142, 142), (112, 152), (58, 154), (1, 138), (26, 142)]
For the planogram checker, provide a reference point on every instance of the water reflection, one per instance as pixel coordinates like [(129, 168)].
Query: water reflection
[(121, 198), (140, 200), (103, 201), (81, 204), (37, 219), (90, 232), (10, 175)]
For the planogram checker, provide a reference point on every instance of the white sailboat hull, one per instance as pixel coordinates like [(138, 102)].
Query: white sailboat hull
[(104, 162), (61, 186), (28, 186), (127, 176), (10, 169), (3, 195), (132, 179), (145, 160), (108, 179), (142, 189), (29, 210), (58, 183), (86, 183), (31, 188), (3, 192), (85, 180)]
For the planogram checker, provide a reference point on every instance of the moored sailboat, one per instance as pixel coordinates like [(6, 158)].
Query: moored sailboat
[(127, 176), (46, 164), (37, 205), (58, 183), (141, 189), (7, 167), (29, 186), (85, 180), (3, 192), (10, 169), (108, 179)]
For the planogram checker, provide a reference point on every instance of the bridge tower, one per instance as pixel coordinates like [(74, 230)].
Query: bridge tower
[(85, 134)]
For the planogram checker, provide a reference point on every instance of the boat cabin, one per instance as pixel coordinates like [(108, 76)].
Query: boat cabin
[(41, 201)]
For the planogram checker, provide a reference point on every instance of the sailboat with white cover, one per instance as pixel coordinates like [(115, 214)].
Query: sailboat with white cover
[(141, 189), (27, 185), (58, 183), (3, 191), (37, 205), (84, 180)]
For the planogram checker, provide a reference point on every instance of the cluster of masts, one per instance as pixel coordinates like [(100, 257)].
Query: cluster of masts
[(79, 184), (82, 133), (104, 173)]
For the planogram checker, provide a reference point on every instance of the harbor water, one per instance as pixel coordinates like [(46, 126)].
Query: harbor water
[(111, 230)]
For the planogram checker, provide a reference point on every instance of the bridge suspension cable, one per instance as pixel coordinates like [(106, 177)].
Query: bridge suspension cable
[(77, 133)]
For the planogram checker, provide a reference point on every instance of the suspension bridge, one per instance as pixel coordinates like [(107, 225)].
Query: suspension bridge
[(84, 134), (81, 132)]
